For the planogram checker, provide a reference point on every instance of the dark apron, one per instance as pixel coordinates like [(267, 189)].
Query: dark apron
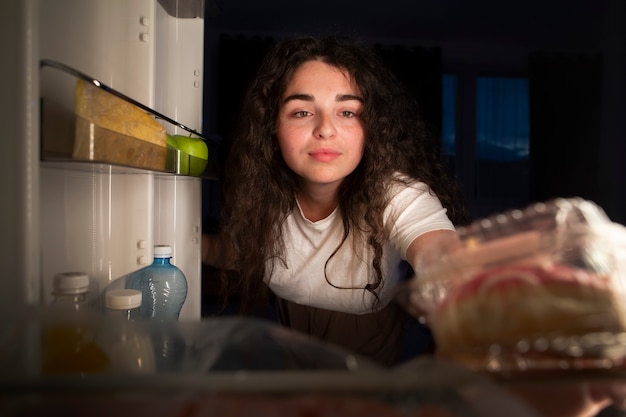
[(378, 335)]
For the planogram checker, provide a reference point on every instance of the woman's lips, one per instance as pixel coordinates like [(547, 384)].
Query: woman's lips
[(324, 155)]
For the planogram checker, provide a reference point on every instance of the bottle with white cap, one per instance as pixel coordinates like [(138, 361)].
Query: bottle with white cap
[(163, 286), (126, 342), (164, 290), (70, 289), (70, 327), (125, 302)]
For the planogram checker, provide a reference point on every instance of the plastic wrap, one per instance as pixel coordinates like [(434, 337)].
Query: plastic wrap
[(534, 289), (231, 367)]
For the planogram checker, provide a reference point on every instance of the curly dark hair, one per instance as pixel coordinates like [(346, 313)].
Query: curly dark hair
[(260, 189)]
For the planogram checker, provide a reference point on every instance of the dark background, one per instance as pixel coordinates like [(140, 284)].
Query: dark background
[(573, 51)]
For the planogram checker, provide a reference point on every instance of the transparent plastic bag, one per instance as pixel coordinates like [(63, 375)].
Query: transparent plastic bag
[(538, 288)]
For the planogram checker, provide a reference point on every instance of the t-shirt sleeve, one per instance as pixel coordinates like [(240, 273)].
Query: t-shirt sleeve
[(413, 211)]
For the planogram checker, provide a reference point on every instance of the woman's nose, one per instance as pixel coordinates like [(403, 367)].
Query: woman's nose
[(324, 128)]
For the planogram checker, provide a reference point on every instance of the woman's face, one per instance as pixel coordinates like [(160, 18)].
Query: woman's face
[(319, 129)]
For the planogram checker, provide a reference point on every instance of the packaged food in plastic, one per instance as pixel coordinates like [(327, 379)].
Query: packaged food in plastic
[(535, 289)]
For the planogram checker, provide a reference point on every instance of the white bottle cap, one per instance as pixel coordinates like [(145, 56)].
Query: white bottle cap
[(162, 251), (123, 299), (70, 283)]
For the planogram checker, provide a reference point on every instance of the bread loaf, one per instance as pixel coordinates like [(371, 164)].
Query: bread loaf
[(498, 309), (111, 129)]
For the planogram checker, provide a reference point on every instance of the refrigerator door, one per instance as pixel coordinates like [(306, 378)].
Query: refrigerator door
[(100, 218), (96, 219), (177, 218)]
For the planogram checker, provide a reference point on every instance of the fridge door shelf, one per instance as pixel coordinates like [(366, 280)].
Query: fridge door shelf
[(236, 366), (67, 136)]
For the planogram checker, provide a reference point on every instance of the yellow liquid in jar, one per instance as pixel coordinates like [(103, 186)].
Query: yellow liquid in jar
[(69, 348)]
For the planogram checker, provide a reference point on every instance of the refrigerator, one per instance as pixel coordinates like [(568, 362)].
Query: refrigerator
[(62, 215), (91, 215)]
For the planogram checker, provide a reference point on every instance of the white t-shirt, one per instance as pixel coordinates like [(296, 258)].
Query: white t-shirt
[(412, 211)]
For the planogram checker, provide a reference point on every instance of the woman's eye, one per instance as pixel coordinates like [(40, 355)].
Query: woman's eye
[(348, 113), (301, 113)]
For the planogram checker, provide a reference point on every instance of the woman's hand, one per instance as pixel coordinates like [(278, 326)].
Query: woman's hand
[(423, 252), (216, 252), (571, 398)]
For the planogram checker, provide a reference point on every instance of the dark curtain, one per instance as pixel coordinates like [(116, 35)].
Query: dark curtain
[(238, 60), (565, 93), (237, 63), (420, 70)]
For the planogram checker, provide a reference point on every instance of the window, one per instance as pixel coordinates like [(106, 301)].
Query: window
[(497, 159), (502, 119), (448, 130), (502, 138)]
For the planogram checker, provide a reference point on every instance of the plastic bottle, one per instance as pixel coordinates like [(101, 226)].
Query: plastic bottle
[(69, 290), (124, 303), (127, 342), (163, 286), (69, 343), (164, 290)]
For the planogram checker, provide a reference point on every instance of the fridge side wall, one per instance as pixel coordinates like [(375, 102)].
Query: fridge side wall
[(19, 159)]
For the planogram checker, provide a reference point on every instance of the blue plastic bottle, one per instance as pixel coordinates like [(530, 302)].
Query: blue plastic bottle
[(163, 286), (164, 290)]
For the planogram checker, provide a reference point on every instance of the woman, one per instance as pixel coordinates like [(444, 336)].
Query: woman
[(332, 184)]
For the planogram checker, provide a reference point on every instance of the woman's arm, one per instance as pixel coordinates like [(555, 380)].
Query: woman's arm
[(216, 252), (429, 247), (425, 249)]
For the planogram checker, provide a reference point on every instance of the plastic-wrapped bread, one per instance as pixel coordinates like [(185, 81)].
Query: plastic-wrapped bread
[(111, 129), (540, 288), (529, 312)]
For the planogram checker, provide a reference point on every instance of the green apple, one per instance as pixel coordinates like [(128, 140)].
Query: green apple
[(194, 153)]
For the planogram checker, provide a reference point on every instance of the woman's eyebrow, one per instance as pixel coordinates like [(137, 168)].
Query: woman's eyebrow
[(348, 97), (304, 97), (308, 97)]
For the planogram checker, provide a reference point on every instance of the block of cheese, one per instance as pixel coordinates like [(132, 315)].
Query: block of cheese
[(111, 129)]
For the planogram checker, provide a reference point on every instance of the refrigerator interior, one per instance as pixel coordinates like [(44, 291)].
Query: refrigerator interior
[(104, 219)]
